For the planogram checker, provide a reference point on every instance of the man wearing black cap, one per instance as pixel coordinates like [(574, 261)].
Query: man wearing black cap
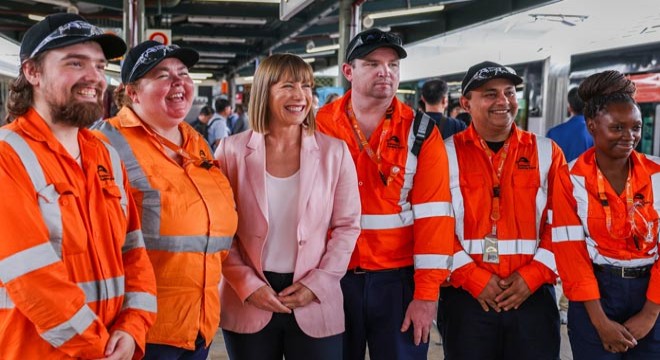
[(404, 250), (75, 279), (502, 303)]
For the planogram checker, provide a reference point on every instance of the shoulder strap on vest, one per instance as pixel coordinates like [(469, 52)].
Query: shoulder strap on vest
[(422, 126)]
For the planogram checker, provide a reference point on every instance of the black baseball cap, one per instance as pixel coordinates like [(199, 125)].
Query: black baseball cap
[(64, 29), (483, 72), (145, 55), (369, 40)]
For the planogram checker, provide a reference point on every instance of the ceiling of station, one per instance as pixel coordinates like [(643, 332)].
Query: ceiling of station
[(230, 35)]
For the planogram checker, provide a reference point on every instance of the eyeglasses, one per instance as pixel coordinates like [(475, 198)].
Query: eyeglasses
[(77, 28), (373, 38), (489, 73), (151, 55)]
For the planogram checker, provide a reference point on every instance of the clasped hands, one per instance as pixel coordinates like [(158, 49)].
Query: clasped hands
[(504, 294), (295, 296)]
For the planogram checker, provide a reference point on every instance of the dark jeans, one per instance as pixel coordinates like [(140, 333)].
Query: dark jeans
[(167, 352), (621, 299), (375, 304), (281, 337), (469, 333)]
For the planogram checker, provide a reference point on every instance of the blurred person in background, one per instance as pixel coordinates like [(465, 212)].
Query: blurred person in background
[(186, 203), (605, 234), (572, 136), (238, 120), (299, 215), (434, 95)]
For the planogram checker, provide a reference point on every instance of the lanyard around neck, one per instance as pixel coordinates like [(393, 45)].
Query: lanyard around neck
[(364, 143), (606, 204), (204, 163), (496, 168)]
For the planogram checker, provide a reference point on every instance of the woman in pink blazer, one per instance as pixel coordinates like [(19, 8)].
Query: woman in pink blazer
[(299, 213)]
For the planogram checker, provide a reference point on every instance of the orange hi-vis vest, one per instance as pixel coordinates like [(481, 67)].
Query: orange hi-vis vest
[(408, 221), (580, 235), (73, 266), (523, 230), (188, 220)]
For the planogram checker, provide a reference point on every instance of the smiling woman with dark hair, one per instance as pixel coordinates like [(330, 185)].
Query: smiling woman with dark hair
[(605, 230)]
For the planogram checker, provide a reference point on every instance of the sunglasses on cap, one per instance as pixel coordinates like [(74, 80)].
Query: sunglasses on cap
[(151, 55), (374, 38), (77, 28), (488, 73)]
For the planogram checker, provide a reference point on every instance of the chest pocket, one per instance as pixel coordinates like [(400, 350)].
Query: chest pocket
[(393, 167), (75, 233)]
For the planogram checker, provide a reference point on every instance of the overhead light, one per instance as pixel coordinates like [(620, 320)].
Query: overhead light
[(404, 12), (315, 54), (217, 54), (214, 61), (205, 66), (227, 20), (197, 81), (215, 39), (309, 60), (250, 1), (200, 76), (406, 91), (248, 78), (36, 17), (112, 67), (318, 49)]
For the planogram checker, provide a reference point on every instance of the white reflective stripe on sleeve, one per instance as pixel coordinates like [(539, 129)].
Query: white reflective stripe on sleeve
[(65, 331), (582, 199), (455, 188), (140, 301), (47, 195), (427, 261), (568, 233), (432, 209), (102, 289), (460, 259), (504, 247), (544, 155), (118, 175), (5, 301), (549, 216), (134, 240), (27, 261), (546, 258), (384, 222)]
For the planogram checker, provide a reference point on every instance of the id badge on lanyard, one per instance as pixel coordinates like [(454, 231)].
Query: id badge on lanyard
[(491, 251)]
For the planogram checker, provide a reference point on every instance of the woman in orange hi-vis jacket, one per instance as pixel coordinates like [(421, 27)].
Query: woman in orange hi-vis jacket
[(605, 230), (186, 203)]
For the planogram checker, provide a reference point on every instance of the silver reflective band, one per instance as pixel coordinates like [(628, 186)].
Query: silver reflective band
[(432, 261), (152, 54), (489, 73), (140, 301), (134, 240), (102, 289), (5, 301), (65, 331), (77, 28), (200, 243), (28, 260)]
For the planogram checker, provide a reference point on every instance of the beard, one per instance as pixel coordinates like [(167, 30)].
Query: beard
[(80, 114)]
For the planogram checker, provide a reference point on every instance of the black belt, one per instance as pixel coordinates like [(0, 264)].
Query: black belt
[(358, 270), (625, 272)]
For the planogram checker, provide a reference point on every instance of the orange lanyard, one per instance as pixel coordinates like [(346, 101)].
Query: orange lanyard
[(364, 143), (606, 204), (204, 163), (496, 166)]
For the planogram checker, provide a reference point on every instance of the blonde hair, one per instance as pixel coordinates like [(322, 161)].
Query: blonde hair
[(270, 71)]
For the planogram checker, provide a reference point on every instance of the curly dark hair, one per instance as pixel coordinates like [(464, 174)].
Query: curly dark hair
[(601, 89), (20, 94)]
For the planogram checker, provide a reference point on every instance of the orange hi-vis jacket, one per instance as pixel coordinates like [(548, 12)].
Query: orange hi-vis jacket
[(73, 267), (523, 230), (580, 236), (188, 220), (409, 221)]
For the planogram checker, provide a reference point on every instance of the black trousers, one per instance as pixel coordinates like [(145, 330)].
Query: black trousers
[(282, 337), (529, 333)]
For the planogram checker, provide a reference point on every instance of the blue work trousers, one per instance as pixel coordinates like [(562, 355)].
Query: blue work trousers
[(530, 332), (375, 304), (621, 298), (167, 352)]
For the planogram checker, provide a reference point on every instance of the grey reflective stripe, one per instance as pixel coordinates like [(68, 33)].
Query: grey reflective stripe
[(140, 301), (47, 196), (118, 175), (26, 261), (5, 301), (151, 201), (205, 244), (455, 188), (102, 289), (65, 331), (544, 155), (134, 240)]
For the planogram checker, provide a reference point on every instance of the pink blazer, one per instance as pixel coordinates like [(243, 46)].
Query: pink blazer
[(329, 200)]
